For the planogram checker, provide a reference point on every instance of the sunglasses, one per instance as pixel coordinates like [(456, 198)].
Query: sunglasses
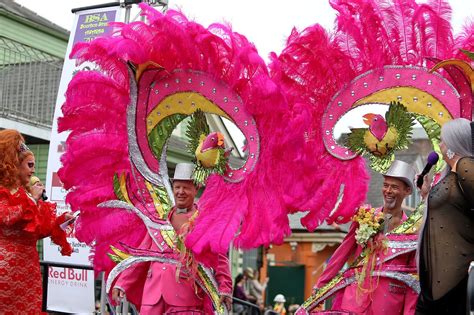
[(31, 164)]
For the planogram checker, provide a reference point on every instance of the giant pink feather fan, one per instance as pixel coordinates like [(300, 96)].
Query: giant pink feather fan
[(315, 64), (251, 212)]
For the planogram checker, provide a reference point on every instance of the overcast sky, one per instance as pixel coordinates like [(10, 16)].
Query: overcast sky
[(266, 23)]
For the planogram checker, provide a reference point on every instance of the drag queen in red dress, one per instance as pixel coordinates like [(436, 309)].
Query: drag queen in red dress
[(24, 219)]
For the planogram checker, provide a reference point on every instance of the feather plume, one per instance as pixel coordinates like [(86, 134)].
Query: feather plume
[(402, 30), (432, 22), (309, 82), (464, 40)]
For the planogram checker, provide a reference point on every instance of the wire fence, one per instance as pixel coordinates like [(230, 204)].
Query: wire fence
[(29, 82)]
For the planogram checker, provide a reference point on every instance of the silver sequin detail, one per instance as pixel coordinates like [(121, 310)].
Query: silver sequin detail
[(408, 279), (146, 220), (164, 174), (339, 199), (402, 244), (134, 151)]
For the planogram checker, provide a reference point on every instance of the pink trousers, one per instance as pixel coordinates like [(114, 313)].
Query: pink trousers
[(164, 308)]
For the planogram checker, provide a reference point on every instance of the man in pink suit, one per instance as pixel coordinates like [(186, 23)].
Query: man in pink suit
[(389, 285), (159, 287)]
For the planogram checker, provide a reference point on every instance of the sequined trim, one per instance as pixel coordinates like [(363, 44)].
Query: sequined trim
[(135, 153), (409, 279), (412, 223), (345, 283), (390, 257), (164, 175), (209, 284), (402, 244), (123, 205), (339, 199)]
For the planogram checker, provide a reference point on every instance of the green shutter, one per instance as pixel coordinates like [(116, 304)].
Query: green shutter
[(41, 156)]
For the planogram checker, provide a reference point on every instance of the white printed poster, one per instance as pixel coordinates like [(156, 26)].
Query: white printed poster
[(71, 290)]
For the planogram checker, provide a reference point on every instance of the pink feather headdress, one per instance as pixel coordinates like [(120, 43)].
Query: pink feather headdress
[(98, 164), (317, 66)]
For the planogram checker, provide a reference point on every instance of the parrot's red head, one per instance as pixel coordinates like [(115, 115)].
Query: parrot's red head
[(377, 125), (370, 118), (213, 140)]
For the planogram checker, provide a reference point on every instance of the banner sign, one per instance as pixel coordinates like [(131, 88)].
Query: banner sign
[(71, 290)]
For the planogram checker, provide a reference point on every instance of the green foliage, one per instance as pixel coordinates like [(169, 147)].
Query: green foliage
[(433, 130), (398, 117), (163, 197), (197, 126), (117, 191), (162, 131), (116, 259), (468, 53), (355, 141), (381, 164)]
